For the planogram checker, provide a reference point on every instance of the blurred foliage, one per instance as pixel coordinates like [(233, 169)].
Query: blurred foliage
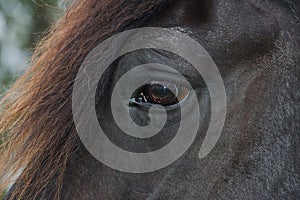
[(22, 24)]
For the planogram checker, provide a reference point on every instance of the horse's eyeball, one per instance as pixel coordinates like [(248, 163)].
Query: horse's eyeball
[(162, 93)]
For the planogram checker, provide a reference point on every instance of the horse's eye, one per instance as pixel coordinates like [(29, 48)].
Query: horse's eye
[(162, 93)]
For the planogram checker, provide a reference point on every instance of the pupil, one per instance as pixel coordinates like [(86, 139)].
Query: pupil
[(160, 94), (159, 90), (156, 93)]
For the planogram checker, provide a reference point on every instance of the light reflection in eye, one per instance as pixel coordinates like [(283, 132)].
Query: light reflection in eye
[(162, 93)]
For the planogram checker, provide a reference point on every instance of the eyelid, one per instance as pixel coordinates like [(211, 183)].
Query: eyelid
[(171, 78)]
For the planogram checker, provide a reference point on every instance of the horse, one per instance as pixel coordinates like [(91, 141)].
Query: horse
[(255, 45)]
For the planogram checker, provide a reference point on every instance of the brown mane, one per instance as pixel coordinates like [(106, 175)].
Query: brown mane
[(37, 131)]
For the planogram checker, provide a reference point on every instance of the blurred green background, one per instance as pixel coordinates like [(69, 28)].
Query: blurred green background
[(22, 24)]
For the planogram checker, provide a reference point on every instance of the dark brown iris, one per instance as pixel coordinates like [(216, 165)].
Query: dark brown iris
[(160, 94), (164, 94)]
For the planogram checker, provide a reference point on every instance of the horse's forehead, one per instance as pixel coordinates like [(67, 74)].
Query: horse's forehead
[(230, 30)]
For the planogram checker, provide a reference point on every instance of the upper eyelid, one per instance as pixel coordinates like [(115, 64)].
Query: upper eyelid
[(189, 76), (172, 80), (146, 56), (169, 78)]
